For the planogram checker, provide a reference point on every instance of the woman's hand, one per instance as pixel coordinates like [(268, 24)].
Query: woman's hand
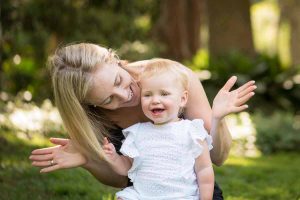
[(62, 156), (227, 101)]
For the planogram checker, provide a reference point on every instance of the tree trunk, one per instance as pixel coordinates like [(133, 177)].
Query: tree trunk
[(178, 28), (290, 11), (229, 27)]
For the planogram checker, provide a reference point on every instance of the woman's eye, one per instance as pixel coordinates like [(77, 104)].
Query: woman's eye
[(108, 101), (119, 80)]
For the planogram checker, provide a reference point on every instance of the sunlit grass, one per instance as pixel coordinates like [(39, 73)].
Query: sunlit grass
[(265, 177)]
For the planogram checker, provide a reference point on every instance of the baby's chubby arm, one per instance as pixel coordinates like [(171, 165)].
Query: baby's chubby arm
[(120, 164), (205, 173)]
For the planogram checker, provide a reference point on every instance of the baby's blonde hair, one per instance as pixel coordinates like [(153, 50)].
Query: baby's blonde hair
[(71, 70), (159, 66)]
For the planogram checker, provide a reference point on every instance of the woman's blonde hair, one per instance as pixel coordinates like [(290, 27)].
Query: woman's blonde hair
[(71, 71), (157, 66)]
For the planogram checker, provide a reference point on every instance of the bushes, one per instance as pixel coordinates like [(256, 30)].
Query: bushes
[(277, 132), (278, 86)]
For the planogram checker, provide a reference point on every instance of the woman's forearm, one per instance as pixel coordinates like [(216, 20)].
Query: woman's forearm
[(221, 141), (105, 174)]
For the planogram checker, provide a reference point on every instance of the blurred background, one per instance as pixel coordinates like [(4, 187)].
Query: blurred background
[(254, 40)]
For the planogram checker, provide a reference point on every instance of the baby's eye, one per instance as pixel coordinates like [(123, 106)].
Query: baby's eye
[(165, 93), (146, 95)]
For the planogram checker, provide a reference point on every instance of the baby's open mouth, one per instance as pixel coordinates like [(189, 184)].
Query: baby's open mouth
[(156, 111)]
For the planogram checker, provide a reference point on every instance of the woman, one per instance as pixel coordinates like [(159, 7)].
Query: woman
[(97, 96)]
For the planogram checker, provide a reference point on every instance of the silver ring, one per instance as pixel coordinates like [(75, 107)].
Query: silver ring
[(52, 162)]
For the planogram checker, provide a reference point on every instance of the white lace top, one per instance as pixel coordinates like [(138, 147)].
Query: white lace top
[(163, 159)]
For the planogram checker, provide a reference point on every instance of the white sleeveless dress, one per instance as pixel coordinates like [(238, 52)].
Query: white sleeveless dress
[(163, 160)]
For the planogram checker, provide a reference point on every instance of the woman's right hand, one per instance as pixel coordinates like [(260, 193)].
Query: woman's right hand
[(62, 156)]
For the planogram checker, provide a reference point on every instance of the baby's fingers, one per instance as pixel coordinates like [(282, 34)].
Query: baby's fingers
[(105, 141)]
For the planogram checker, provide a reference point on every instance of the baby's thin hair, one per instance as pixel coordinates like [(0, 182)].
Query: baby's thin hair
[(159, 66)]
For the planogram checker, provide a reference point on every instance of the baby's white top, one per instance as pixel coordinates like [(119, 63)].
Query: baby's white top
[(164, 158)]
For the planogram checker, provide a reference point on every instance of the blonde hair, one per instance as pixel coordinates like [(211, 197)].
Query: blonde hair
[(157, 66), (71, 67)]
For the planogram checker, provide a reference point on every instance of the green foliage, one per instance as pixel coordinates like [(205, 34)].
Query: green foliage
[(34, 28), (277, 132), (277, 86)]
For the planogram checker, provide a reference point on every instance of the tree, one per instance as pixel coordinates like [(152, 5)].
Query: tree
[(178, 28), (229, 27), (290, 13)]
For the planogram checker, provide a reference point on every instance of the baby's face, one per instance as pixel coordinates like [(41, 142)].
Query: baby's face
[(161, 97)]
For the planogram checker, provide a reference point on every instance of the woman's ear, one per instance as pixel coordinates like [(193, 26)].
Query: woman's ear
[(184, 98)]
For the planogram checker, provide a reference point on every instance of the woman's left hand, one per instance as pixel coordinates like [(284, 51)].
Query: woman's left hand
[(227, 101)]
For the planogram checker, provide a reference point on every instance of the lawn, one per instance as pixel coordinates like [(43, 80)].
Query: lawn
[(267, 177)]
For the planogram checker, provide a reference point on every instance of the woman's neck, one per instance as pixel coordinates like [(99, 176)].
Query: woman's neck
[(127, 116)]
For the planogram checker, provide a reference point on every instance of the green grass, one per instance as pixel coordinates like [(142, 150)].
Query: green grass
[(268, 177)]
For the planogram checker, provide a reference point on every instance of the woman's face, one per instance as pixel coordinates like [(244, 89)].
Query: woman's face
[(113, 88)]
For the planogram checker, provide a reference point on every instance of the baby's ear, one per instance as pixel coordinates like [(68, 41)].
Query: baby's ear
[(184, 98)]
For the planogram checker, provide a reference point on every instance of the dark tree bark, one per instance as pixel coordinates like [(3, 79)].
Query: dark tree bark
[(229, 27), (178, 28)]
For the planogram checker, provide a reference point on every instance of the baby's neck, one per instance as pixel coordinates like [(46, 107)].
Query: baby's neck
[(166, 122)]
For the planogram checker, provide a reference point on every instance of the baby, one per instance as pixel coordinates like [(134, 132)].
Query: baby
[(167, 158)]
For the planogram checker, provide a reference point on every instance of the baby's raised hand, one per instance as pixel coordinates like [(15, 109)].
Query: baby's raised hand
[(227, 101), (109, 150)]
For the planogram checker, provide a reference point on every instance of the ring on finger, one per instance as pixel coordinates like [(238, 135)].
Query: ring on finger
[(51, 162)]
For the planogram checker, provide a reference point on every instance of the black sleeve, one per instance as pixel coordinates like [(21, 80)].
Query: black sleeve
[(116, 137)]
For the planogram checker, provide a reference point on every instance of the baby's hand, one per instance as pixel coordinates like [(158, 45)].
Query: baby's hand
[(109, 150)]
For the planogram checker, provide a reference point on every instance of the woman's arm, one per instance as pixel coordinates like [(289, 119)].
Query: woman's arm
[(65, 156), (199, 107)]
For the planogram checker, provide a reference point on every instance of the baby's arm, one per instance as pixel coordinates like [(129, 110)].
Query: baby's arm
[(120, 164), (205, 173)]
